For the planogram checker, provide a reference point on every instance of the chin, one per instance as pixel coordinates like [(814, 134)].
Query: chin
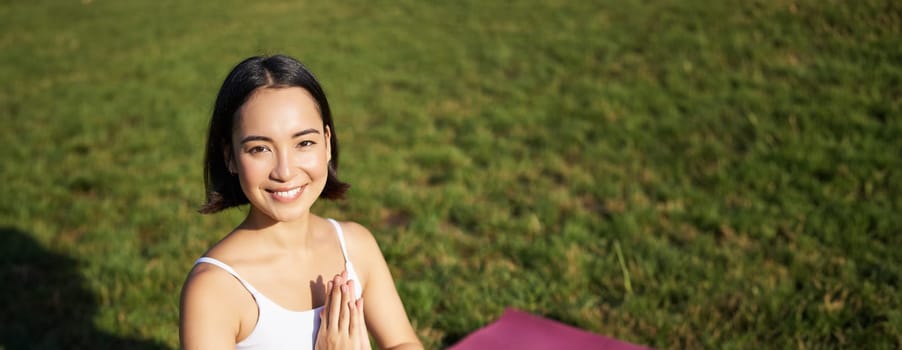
[(289, 216), (276, 215), (283, 212)]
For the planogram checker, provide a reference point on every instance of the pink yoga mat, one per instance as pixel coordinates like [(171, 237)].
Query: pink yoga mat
[(520, 330)]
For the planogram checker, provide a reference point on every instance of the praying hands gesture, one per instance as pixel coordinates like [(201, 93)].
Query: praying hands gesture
[(342, 325)]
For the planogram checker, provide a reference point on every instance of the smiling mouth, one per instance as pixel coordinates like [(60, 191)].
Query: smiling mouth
[(287, 195)]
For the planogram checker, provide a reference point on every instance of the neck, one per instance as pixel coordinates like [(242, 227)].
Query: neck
[(290, 235)]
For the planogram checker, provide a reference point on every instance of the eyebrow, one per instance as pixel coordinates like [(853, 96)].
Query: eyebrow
[(250, 138)]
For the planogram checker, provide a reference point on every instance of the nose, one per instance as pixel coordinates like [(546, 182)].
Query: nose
[(283, 170)]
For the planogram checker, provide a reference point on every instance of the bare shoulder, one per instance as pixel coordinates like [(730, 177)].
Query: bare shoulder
[(204, 321), (203, 274), (207, 283), (362, 247), (360, 240)]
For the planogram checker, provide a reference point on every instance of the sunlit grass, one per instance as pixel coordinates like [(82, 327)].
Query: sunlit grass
[(679, 174)]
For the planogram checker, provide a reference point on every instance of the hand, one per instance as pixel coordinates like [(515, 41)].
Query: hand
[(342, 323)]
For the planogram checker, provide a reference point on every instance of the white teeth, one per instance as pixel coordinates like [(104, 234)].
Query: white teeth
[(288, 194)]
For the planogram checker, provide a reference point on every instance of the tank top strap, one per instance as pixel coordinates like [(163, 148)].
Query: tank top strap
[(341, 239), (230, 270)]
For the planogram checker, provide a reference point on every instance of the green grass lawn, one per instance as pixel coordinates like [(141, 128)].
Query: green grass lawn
[(678, 174)]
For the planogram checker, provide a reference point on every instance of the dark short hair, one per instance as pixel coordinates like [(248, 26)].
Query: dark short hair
[(279, 71)]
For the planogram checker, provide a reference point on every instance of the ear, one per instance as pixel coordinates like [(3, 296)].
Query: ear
[(229, 159)]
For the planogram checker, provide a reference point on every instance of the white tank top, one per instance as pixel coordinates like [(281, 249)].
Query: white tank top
[(278, 327)]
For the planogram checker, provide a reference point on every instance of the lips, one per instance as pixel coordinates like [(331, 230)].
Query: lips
[(286, 195)]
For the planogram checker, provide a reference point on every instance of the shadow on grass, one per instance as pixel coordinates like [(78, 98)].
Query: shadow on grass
[(453, 338), (44, 303)]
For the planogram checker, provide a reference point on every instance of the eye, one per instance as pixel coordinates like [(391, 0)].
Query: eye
[(306, 143), (257, 149)]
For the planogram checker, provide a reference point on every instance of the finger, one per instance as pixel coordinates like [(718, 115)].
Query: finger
[(354, 323), (360, 305), (335, 305), (360, 309), (343, 277), (338, 280), (363, 336), (345, 316), (324, 313)]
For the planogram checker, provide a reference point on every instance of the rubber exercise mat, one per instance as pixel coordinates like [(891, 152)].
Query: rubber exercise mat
[(520, 330)]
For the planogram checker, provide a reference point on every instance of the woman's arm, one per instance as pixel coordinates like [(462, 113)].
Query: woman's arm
[(205, 319), (383, 310)]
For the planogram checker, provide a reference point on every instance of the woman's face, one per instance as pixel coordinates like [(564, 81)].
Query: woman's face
[(280, 151)]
